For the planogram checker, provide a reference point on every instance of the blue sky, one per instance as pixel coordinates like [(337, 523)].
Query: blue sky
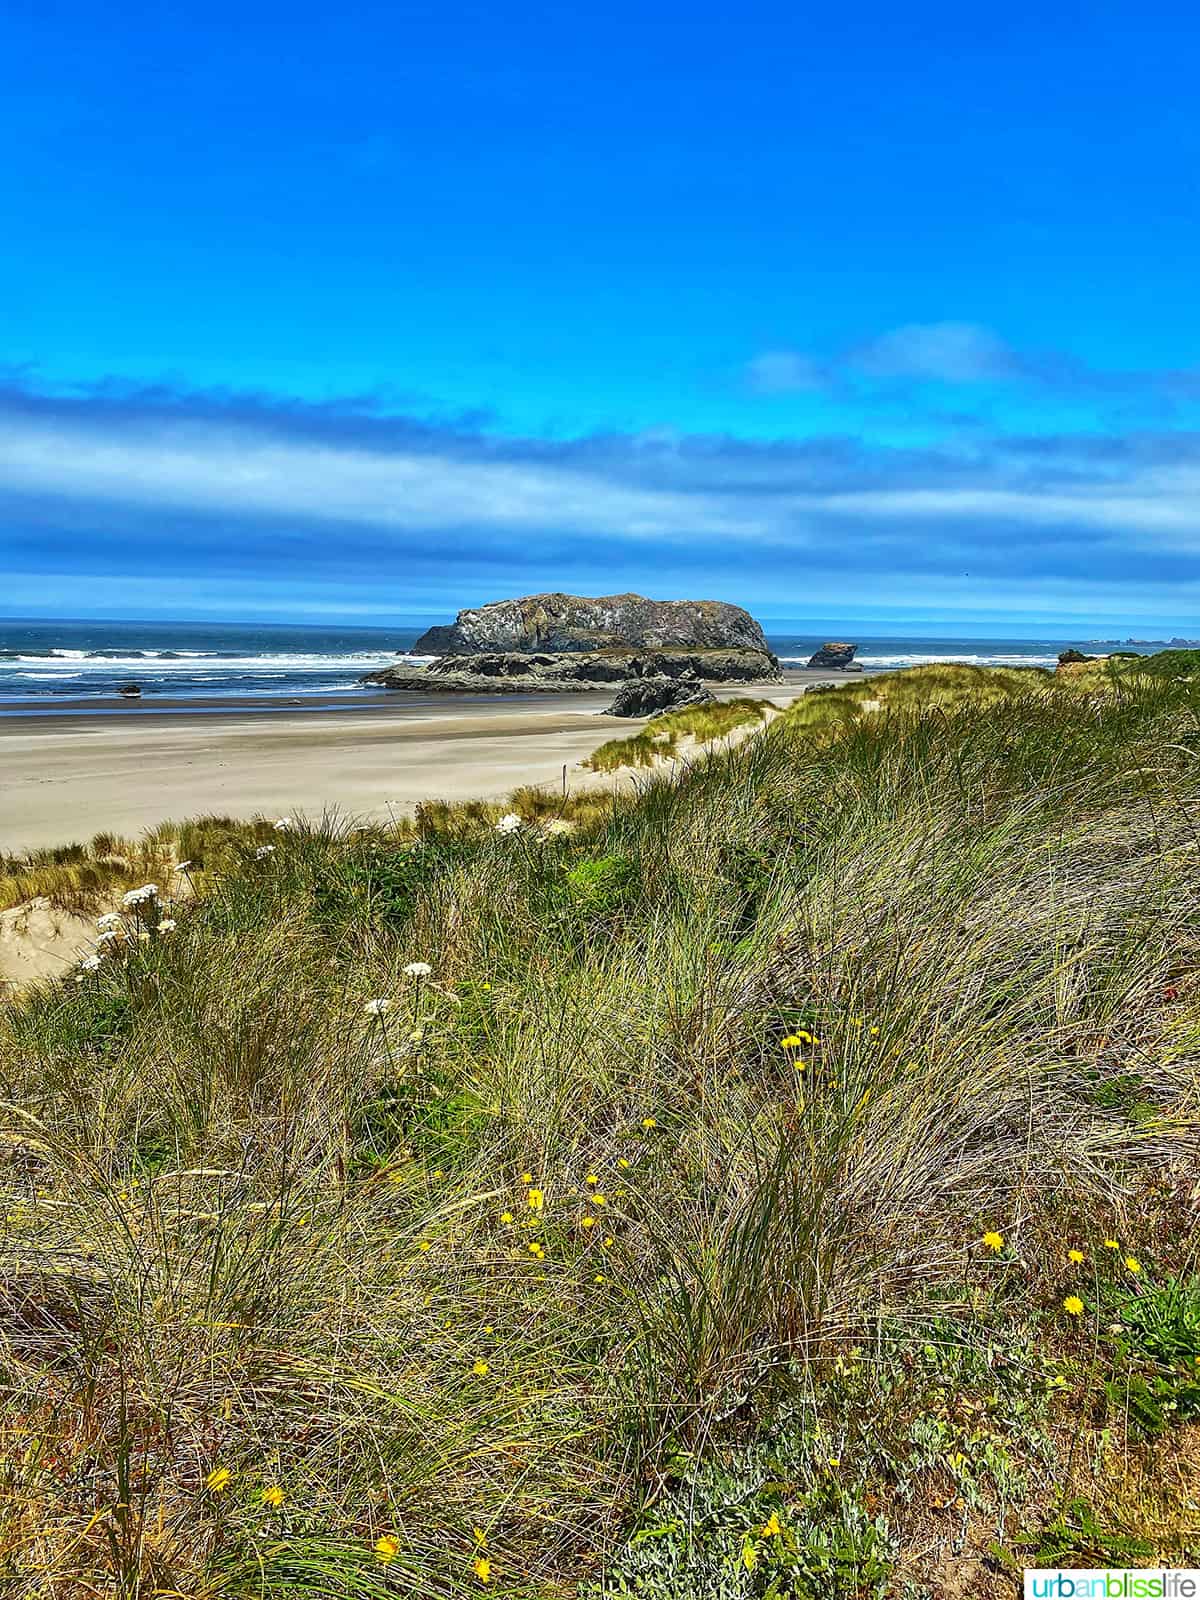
[(878, 312)]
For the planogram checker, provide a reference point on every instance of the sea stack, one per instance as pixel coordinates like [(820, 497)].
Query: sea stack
[(837, 656)]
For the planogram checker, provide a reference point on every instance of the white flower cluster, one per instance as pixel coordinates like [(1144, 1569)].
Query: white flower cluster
[(110, 921), (559, 826), (167, 925), (138, 897), (263, 851), (377, 1008), (418, 969), (90, 963), (510, 823)]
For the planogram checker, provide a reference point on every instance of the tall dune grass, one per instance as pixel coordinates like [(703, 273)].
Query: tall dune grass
[(706, 1094)]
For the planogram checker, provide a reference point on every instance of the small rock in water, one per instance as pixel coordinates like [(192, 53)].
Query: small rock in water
[(836, 656), (130, 691)]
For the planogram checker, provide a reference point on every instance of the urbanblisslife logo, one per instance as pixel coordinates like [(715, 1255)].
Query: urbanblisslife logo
[(1114, 1583)]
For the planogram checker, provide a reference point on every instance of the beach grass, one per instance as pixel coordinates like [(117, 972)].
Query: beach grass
[(777, 1181), (660, 738)]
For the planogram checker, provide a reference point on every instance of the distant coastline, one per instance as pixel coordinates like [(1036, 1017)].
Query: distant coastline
[(43, 663)]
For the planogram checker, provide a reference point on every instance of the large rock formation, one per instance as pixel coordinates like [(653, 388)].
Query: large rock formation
[(574, 623), (513, 672)]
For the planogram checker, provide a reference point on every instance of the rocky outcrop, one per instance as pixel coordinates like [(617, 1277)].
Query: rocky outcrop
[(130, 691), (1073, 658), (577, 624), (839, 657), (515, 672), (646, 697)]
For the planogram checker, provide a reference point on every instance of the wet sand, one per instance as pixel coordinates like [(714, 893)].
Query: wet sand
[(69, 772)]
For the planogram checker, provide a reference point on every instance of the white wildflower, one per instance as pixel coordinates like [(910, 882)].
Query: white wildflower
[(110, 920), (282, 824), (185, 866), (559, 826), (377, 1008), (108, 935), (167, 925), (510, 823), (263, 851), (418, 969), (137, 897), (90, 963)]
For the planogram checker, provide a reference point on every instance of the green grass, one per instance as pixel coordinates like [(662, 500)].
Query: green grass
[(659, 739), (249, 1227)]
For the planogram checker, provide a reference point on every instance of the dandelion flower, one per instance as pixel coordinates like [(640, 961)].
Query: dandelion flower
[(272, 1496), (386, 1548), (1075, 1257), (597, 1199), (1073, 1305), (621, 1161), (536, 1199), (425, 1245), (482, 1569), (649, 1122), (835, 1462), (608, 1242), (218, 1480), (1132, 1264), (771, 1527), (418, 969), (792, 1042), (506, 1216), (377, 1008), (480, 1369), (509, 823), (1111, 1244), (527, 1177), (591, 1178), (587, 1222), (994, 1241), (480, 1537)]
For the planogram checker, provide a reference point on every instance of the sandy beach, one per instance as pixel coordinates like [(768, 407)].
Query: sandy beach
[(69, 773)]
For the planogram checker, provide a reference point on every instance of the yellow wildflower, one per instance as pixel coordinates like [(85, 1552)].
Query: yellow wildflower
[(994, 1241), (771, 1528), (1132, 1264), (621, 1161), (527, 1177), (482, 1569), (587, 1222), (1075, 1257), (591, 1178), (272, 1495), (425, 1244), (386, 1548), (218, 1480), (835, 1461), (480, 1537), (608, 1242), (792, 1042), (480, 1369), (536, 1198), (649, 1122), (597, 1199), (1111, 1244), (506, 1216), (599, 1278), (1073, 1305)]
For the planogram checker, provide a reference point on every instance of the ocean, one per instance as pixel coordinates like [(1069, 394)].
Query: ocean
[(193, 660)]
